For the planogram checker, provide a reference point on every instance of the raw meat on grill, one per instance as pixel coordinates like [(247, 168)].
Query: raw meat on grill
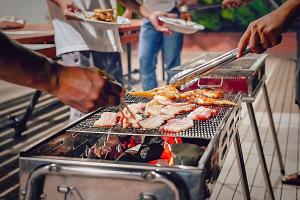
[(202, 113), (153, 108), (177, 125), (177, 109), (128, 121), (137, 108), (155, 121), (107, 119), (165, 101)]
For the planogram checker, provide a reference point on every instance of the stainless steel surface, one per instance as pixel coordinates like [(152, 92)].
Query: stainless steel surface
[(55, 169), (65, 149), (274, 134), (189, 76), (260, 151), (241, 166)]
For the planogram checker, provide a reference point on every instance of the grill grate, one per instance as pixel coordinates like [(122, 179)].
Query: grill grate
[(202, 129)]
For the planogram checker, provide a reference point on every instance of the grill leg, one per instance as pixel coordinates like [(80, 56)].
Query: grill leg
[(241, 166), (274, 134), (260, 152)]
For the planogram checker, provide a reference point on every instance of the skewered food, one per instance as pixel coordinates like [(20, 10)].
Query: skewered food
[(106, 15), (107, 119), (177, 125), (202, 113)]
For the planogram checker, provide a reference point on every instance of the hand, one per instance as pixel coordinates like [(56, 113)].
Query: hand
[(264, 33), (233, 3), (188, 2), (86, 88), (159, 25), (68, 8)]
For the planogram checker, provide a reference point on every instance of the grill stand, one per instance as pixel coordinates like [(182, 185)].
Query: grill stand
[(274, 134), (249, 100), (241, 166)]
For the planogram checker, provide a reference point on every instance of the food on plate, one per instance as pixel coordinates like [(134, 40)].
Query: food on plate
[(202, 113), (168, 91), (107, 119), (177, 125), (208, 92), (106, 15), (154, 121), (177, 109)]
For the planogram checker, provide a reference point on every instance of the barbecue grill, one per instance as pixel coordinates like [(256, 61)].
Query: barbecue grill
[(245, 75), (57, 167)]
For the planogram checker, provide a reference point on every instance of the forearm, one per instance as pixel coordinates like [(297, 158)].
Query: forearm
[(290, 8), (22, 66), (136, 7)]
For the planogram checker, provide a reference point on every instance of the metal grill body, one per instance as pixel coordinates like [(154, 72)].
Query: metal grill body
[(57, 166), (244, 75)]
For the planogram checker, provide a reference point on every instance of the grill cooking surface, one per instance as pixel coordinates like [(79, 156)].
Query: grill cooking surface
[(239, 64), (202, 129)]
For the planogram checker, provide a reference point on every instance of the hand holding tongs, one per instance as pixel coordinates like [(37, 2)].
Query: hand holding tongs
[(189, 76)]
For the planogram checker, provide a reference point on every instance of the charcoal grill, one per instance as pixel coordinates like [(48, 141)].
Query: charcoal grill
[(247, 76), (55, 167)]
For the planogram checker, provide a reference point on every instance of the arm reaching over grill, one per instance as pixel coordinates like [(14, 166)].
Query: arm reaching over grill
[(82, 88), (266, 31)]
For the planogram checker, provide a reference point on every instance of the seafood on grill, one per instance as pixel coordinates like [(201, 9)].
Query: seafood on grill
[(206, 101), (207, 92), (168, 91), (165, 95), (177, 125), (202, 113)]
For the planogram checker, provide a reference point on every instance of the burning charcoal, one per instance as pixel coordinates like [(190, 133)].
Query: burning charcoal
[(130, 155), (151, 149), (186, 154)]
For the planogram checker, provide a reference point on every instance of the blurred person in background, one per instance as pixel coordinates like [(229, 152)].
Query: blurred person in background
[(152, 41), (81, 44), (83, 88), (266, 32)]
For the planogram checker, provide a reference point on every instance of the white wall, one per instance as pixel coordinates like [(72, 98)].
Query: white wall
[(33, 11)]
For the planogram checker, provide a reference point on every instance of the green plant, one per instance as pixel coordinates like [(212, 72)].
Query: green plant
[(230, 19)]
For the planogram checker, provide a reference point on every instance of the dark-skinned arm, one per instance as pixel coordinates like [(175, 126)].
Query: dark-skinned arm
[(83, 88)]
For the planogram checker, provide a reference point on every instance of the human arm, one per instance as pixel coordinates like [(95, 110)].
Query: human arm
[(265, 32), (68, 8), (82, 88), (151, 16), (234, 3)]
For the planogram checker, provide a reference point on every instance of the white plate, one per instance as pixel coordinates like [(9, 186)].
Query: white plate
[(102, 24), (180, 25)]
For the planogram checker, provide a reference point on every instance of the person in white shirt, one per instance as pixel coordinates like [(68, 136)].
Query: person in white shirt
[(81, 44)]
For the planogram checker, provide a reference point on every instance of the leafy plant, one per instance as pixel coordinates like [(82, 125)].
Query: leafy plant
[(234, 19)]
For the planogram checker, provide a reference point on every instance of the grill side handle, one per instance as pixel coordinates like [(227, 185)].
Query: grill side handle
[(55, 169)]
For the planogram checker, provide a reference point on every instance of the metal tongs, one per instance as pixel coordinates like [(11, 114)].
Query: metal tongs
[(187, 77)]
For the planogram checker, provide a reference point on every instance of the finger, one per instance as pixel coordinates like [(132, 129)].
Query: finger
[(265, 41), (243, 43), (171, 15), (255, 43), (275, 40)]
